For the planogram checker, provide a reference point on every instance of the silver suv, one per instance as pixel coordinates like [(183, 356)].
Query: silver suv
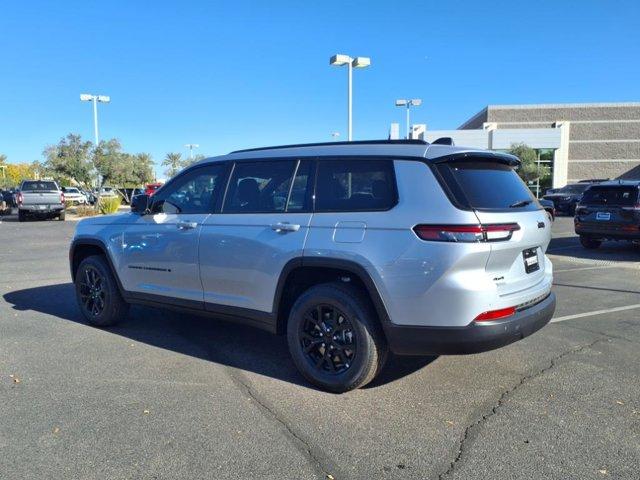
[(351, 250)]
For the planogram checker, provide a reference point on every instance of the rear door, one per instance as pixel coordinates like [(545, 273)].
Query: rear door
[(498, 196), (262, 225)]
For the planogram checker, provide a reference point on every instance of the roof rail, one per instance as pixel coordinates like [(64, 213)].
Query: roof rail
[(325, 144)]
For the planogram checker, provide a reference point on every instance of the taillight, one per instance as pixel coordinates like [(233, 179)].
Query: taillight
[(466, 233), (20, 199), (495, 314), (62, 197)]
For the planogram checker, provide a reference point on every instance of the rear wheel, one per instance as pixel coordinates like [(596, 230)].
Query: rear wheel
[(334, 337), (97, 292), (62, 216), (589, 243), (22, 215)]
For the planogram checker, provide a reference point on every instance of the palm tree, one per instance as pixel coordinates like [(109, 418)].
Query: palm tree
[(174, 162)]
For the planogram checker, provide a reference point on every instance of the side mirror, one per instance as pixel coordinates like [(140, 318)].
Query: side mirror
[(140, 204)]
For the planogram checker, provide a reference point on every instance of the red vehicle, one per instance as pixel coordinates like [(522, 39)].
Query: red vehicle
[(152, 188)]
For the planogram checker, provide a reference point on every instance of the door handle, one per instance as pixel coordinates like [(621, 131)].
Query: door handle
[(187, 225), (285, 227)]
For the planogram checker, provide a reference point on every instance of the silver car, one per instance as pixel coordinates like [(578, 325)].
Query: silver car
[(351, 249)]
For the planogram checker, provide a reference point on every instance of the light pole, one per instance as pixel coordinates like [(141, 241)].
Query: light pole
[(339, 60), (191, 146), (87, 97), (414, 102)]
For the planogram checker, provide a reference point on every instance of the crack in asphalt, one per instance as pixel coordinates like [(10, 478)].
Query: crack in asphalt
[(301, 443), (501, 400)]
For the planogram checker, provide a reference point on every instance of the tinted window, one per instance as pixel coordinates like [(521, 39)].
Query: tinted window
[(191, 193), (611, 195), (39, 186), (487, 185), (355, 185), (577, 188), (260, 187)]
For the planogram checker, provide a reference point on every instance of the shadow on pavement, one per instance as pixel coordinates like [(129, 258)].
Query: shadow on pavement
[(570, 247), (219, 341)]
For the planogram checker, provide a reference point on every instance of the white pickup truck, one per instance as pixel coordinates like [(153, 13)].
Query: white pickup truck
[(40, 198)]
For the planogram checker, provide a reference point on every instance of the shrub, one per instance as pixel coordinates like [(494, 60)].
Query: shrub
[(109, 205), (85, 211)]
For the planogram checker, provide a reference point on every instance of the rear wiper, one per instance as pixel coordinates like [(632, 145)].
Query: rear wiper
[(521, 203)]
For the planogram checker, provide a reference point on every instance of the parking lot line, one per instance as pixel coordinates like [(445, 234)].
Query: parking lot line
[(584, 268), (595, 312)]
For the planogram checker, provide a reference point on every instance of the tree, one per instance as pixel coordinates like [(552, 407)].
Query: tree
[(190, 161), (71, 158), (174, 162), (110, 162), (142, 170), (530, 169)]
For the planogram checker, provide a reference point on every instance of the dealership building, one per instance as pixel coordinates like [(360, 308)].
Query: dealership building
[(576, 141)]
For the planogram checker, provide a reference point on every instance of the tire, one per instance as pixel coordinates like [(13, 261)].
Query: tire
[(62, 216), (22, 216), (103, 306), (589, 243), (349, 368)]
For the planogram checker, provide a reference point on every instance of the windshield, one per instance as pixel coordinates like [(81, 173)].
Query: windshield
[(614, 195), (577, 188), (71, 190), (39, 186)]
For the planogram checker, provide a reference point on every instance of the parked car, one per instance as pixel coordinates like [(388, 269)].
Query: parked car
[(549, 208), (351, 250), (566, 198), (609, 211), (74, 196), (152, 188), (108, 192), (128, 193), (41, 199)]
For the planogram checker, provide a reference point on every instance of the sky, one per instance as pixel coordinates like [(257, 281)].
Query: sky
[(240, 74)]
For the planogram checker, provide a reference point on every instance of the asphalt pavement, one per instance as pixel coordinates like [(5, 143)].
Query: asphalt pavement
[(169, 396)]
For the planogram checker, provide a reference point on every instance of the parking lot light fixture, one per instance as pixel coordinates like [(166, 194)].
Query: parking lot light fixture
[(191, 146), (408, 103), (88, 97), (339, 60)]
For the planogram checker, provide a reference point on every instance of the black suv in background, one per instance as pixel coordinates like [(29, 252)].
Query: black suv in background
[(609, 211), (566, 198)]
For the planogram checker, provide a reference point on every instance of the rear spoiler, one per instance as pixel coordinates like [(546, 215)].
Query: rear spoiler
[(488, 156)]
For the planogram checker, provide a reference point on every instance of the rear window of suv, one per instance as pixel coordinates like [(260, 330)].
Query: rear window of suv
[(611, 195), (486, 185), (39, 186)]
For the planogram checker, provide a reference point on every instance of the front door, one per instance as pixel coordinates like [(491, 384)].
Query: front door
[(263, 224), (161, 247)]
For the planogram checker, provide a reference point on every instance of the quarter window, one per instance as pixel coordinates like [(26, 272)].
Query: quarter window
[(192, 193), (355, 185), (259, 187)]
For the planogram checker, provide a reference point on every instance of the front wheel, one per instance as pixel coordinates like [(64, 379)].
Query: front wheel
[(589, 243), (334, 337), (97, 293)]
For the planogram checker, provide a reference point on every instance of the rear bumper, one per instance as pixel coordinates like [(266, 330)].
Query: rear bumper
[(613, 232), (37, 209), (474, 338)]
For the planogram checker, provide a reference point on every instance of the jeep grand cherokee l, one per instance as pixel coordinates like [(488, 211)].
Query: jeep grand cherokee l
[(350, 249)]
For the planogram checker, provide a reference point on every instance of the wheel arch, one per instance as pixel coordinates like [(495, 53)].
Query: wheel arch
[(85, 247), (302, 273)]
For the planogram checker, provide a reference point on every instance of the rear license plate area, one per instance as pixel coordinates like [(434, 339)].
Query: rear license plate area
[(531, 263), (603, 216)]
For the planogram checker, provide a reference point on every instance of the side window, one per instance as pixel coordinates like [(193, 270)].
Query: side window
[(259, 187), (299, 197), (355, 185), (192, 193)]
